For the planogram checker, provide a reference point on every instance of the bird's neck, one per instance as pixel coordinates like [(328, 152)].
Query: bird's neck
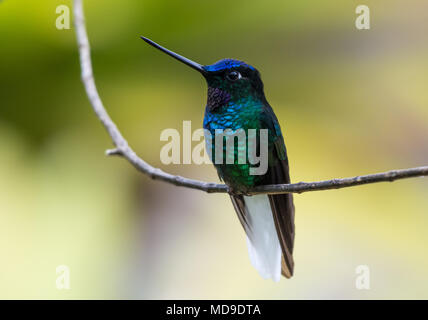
[(221, 101)]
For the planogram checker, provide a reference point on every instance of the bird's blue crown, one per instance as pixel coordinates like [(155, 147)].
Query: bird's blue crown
[(226, 64)]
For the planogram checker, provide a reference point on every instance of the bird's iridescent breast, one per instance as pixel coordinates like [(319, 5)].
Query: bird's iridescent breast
[(222, 114)]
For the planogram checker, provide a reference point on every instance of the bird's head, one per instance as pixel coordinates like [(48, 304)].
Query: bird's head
[(236, 78)]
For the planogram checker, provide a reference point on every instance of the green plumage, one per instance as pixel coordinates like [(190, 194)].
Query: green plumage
[(236, 101), (235, 106)]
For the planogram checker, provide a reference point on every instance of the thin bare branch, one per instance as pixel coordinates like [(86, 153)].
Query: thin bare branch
[(124, 150), (343, 183)]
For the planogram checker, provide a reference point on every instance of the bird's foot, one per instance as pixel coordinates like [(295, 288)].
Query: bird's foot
[(237, 192)]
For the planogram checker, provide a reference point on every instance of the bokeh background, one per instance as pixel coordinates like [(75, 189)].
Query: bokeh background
[(350, 102)]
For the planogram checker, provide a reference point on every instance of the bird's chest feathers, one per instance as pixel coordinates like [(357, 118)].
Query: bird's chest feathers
[(224, 113), (229, 118)]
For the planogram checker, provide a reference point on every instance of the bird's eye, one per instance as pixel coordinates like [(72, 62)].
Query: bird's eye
[(233, 76)]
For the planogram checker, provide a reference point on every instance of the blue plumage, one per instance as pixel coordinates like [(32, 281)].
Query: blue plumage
[(226, 64)]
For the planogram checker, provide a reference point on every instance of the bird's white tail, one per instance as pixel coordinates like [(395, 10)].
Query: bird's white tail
[(263, 247)]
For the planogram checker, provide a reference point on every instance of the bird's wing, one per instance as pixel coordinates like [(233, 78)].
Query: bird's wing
[(283, 213), (282, 204)]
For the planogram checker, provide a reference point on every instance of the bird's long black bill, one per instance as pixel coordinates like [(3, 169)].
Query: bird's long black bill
[(186, 61)]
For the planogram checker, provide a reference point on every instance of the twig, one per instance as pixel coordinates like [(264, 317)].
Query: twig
[(124, 150)]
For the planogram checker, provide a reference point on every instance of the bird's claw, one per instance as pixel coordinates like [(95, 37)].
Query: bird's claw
[(235, 192)]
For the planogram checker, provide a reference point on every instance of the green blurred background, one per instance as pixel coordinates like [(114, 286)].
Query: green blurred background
[(350, 102)]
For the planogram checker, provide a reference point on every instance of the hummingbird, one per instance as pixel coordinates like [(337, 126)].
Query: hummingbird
[(236, 101)]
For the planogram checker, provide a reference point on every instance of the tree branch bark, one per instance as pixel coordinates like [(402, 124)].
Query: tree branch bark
[(124, 150)]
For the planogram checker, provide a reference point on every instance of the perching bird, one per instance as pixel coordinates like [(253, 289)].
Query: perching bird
[(236, 101)]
